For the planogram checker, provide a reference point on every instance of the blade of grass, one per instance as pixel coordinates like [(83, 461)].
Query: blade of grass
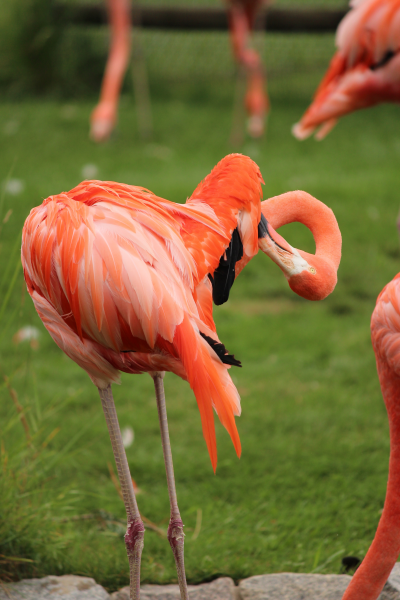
[(19, 408), (3, 191), (18, 266), (14, 249), (16, 559), (328, 560), (10, 320), (70, 444), (197, 529)]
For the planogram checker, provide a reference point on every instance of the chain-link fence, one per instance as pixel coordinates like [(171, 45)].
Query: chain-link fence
[(80, 52)]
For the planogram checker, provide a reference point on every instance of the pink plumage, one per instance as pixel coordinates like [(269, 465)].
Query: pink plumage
[(371, 576), (365, 69)]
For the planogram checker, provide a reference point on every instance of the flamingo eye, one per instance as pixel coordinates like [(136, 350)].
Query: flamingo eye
[(312, 270)]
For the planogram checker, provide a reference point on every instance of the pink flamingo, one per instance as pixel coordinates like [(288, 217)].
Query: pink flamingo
[(242, 14), (372, 574), (364, 71), (104, 116), (125, 281)]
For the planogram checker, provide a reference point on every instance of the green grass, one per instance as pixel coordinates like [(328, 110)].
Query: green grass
[(310, 485)]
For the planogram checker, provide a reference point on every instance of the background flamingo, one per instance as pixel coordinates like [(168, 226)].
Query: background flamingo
[(104, 116), (364, 71), (242, 15), (371, 576), (124, 281)]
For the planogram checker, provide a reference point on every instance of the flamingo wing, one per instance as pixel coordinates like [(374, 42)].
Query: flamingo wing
[(385, 325)]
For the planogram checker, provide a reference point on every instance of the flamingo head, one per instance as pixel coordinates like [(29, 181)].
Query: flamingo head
[(310, 276), (356, 88)]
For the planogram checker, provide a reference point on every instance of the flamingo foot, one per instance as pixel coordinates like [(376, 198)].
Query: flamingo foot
[(101, 130), (102, 122), (300, 132), (255, 126)]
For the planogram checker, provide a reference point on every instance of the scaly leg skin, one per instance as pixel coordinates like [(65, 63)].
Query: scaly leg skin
[(175, 528), (135, 531)]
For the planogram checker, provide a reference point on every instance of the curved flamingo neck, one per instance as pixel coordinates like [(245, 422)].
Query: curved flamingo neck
[(382, 555), (301, 207)]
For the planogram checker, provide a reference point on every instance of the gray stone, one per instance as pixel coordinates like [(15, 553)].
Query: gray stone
[(66, 587), (278, 586), (219, 589), (394, 577), (389, 593), (294, 586)]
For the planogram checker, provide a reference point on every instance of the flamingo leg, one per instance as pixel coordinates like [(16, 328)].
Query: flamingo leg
[(175, 528), (238, 113), (135, 531), (104, 115)]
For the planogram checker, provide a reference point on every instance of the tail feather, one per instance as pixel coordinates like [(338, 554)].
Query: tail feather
[(209, 386)]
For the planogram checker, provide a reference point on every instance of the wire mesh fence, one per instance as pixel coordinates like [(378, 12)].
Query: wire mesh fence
[(80, 52), (198, 57), (207, 55)]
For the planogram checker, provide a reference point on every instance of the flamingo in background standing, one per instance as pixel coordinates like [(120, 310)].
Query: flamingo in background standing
[(125, 281), (242, 15), (104, 116), (372, 574), (364, 71)]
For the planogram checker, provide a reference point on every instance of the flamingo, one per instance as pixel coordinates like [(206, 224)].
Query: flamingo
[(372, 574), (104, 116), (125, 281), (241, 15), (365, 69)]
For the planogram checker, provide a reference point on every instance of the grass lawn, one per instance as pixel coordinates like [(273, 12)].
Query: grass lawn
[(310, 485)]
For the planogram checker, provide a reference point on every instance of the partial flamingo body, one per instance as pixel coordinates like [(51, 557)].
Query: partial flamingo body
[(104, 116), (365, 69), (371, 576), (242, 15), (125, 281)]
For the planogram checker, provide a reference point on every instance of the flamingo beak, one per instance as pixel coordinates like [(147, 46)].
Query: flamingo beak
[(276, 247)]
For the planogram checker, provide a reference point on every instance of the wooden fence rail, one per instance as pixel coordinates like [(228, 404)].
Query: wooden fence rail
[(285, 20)]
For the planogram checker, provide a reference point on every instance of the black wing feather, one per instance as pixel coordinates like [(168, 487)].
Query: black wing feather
[(224, 274), (386, 58), (221, 351)]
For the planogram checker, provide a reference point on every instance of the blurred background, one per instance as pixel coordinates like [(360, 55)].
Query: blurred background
[(310, 485)]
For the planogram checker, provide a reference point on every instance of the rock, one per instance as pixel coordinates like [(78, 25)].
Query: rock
[(220, 589), (394, 577), (389, 593), (278, 586), (294, 586), (66, 587)]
